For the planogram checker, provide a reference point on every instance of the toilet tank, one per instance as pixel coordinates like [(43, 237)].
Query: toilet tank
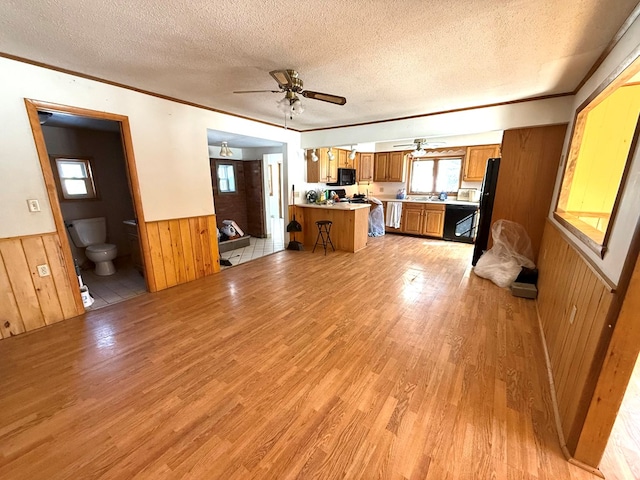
[(88, 231)]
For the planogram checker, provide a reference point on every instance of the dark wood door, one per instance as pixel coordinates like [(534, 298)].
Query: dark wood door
[(254, 183)]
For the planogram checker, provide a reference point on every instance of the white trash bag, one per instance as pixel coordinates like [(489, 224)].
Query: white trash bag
[(510, 252)]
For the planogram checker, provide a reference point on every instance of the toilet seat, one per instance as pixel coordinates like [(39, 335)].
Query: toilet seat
[(101, 247)]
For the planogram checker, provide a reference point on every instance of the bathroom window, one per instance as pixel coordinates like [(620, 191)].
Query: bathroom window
[(75, 180), (226, 178)]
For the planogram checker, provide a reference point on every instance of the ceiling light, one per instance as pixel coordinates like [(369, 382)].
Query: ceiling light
[(290, 104), (418, 152), (314, 157), (352, 153), (225, 151), (330, 154)]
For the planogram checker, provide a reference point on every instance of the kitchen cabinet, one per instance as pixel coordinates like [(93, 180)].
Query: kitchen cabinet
[(475, 161), (388, 167), (364, 166), (324, 170), (423, 219), (395, 168), (380, 165), (343, 158)]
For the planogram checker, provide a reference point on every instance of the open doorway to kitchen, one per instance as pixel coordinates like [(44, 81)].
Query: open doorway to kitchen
[(247, 185), (85, 157)]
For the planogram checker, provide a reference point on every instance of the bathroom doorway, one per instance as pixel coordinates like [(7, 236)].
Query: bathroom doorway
[(86, 159)]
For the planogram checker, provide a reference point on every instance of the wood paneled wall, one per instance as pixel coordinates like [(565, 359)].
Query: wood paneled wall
[(573, 304), (181, 250), (530, 159), (178, 251), (28, 301)]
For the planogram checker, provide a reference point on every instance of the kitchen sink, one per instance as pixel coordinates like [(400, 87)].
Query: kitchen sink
[(425, 199)]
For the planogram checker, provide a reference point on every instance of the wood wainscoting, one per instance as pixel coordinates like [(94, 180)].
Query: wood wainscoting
[(176, 251), (28, 301), (180, 250), (573, 305)]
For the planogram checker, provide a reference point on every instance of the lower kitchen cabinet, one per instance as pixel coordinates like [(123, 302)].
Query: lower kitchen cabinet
[(424, 219), (434, 222)]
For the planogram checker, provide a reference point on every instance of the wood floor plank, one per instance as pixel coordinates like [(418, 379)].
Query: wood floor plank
[(396, 362)]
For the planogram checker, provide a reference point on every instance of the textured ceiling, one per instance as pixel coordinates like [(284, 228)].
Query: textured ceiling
[(389, 59)]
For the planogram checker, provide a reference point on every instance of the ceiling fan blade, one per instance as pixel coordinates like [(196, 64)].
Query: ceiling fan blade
[(282, 77), (257, 91), (325, 97), (405, 145)]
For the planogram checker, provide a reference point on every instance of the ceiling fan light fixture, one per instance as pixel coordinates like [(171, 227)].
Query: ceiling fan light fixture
[(418, 152), (314, 156), (225, 151), (352, 153), (330, 154), (290, 104)]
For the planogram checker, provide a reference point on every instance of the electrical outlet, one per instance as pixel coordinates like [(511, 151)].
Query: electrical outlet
[(43, 270), (381, 189), (572, 316), (34, 205)]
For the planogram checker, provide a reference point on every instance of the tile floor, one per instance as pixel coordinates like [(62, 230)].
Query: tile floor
[(258, 247), (126, 283)]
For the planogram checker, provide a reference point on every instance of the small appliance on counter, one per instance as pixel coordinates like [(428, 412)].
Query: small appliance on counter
[(312, 196), (469, 195)]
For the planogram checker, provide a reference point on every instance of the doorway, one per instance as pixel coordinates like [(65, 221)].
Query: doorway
[(247, 185), (86, 158)]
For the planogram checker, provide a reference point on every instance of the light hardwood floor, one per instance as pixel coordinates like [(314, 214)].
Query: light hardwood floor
[(395, 362)]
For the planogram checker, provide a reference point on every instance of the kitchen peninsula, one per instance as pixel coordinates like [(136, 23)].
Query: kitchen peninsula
[(350, 224)]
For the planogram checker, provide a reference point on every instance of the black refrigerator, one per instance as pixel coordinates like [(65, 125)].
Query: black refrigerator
[(487, 196)]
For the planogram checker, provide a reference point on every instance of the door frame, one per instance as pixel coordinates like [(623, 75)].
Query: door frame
[(33, 106)]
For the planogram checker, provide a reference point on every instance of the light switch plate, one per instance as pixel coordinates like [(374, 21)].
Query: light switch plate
[(43, 270), (34, 205)]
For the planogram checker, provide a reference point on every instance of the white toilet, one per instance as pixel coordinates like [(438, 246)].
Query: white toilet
[(92, 233)]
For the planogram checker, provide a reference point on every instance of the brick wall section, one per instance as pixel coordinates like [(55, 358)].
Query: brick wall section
[(230, 206)]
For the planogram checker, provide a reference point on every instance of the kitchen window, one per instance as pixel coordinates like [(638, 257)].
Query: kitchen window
[(75, 178), (226, 178), (432, 175)]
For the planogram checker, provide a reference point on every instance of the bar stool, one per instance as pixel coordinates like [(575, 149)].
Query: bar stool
[(324, 238)]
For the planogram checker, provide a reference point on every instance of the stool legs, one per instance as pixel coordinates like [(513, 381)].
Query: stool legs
[(324, 235)]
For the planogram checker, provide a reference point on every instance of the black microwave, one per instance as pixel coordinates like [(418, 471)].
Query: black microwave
[(346, 176)]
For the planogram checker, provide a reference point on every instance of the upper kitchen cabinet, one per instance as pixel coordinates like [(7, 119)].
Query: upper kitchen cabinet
[(324, 170), (475, 161), (389, 167), (364, 166), (343, 159)]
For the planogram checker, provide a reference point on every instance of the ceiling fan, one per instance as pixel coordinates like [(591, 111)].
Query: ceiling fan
[(420, 144), (291, 85)]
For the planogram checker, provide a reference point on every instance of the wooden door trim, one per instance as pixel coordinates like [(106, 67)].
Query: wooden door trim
[(32, 107)]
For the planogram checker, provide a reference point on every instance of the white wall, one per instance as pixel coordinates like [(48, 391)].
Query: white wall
[(169, 141), (629, 209), (488, 119)]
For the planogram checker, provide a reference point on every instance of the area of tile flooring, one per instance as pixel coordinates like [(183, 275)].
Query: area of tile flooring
[(258, 247), (126, 283)]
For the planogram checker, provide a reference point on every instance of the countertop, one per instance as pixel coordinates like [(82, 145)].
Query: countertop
[(441, 202), (336, 206)]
